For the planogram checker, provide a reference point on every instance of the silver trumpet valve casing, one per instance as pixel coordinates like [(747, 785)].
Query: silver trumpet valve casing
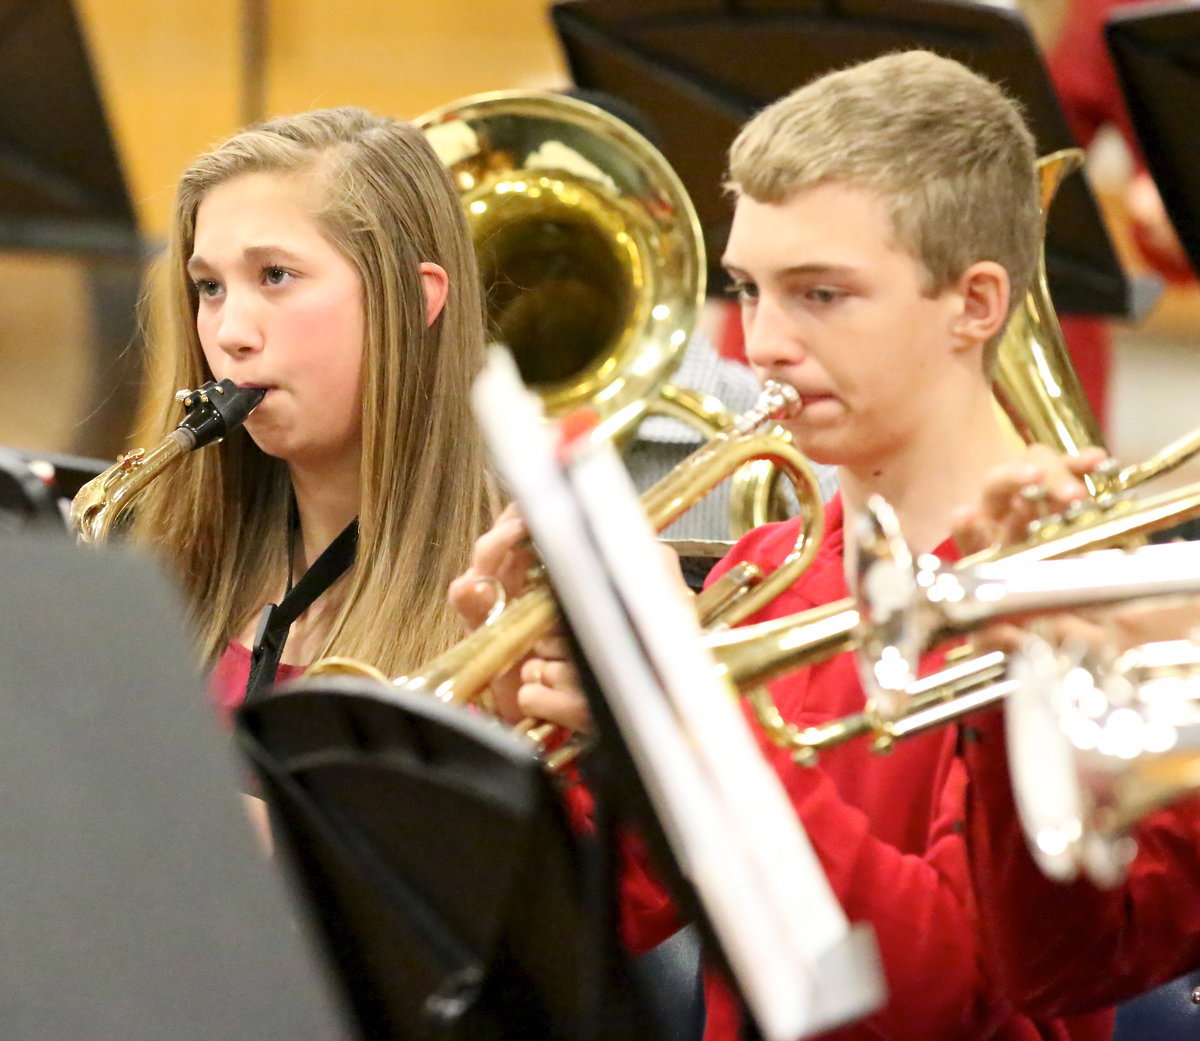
[(907, 602)]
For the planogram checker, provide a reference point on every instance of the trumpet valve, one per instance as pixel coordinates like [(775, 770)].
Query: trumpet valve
[(883, 743), (804, 755), (1037, 497), (539, 733)]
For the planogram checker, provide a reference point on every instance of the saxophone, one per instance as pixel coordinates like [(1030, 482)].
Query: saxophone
[(210, 414)]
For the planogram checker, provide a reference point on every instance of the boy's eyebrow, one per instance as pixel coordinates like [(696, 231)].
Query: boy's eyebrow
[(813, 268)]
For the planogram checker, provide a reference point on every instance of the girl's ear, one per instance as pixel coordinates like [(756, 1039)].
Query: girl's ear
[(436, 284)]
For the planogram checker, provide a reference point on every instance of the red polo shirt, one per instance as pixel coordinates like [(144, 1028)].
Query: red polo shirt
[(889, 831)]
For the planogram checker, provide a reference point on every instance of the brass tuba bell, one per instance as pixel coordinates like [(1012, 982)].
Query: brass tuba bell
[(589, 249), (592, 263), (1035, 380)]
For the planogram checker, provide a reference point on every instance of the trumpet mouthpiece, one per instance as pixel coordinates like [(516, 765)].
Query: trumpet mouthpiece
[(776, 401)]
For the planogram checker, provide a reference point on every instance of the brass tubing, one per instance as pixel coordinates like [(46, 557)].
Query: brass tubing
[(756, 654), (947, 695)]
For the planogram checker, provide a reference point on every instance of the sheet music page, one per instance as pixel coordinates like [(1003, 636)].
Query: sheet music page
[(724, 812)]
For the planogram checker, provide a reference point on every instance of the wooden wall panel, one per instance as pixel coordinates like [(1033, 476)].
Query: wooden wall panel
[(406, 58), (168, 74), (172, 81), (45, 343)]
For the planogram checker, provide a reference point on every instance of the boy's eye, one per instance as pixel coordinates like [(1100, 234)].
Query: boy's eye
[(743, 292), (824, 296), (274, 276)]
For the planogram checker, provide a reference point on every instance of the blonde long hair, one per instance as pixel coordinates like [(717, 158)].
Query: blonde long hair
[(387, 205)]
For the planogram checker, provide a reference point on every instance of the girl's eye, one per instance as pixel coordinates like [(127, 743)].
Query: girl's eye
[(206, 287), (274, 276)]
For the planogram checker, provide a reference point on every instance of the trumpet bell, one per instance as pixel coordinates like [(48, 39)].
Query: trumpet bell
[(1094, 744), (589, 247)]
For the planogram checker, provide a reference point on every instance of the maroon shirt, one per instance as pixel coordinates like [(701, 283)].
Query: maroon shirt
[(227, 685)]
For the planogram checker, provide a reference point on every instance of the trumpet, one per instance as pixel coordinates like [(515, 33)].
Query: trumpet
[(756, 654), (968, 686), (1095, 742), (211, 413), (460, 674), (910, 605), (907, 605)]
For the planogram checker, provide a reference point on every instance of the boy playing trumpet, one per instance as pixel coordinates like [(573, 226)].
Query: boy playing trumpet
[(886, 220)]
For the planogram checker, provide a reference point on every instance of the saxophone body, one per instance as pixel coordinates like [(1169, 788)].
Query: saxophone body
[(210, 413)]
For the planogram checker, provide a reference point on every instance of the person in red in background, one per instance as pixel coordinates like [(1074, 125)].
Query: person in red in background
[(1083, 75)]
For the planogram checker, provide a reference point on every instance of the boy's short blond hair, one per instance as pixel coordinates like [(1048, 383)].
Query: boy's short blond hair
[(948, 148)]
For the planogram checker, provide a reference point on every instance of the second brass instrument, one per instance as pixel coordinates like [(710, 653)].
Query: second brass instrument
[(1097, 741), (592, 261)]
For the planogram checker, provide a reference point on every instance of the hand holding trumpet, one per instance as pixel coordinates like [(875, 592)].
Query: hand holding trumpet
[(501, 563), (1020, 494), (544, 685)]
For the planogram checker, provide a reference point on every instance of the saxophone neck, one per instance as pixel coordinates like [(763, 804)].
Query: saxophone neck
[(100, 503), (210, 413)]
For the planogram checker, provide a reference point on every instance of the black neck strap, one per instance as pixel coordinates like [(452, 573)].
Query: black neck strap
[(277, 619)]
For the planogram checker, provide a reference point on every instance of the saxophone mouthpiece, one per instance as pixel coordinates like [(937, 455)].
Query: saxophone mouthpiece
[(216, 409)]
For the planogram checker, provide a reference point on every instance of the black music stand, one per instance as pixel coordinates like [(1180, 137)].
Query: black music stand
[(62, 190), (61, 186), (136, 901), (1156, 51), (701, 68), (27, 499), (445, 882), (36, 488), (70, 472)]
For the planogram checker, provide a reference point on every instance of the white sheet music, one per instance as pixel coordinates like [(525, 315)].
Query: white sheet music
[(724, 812)]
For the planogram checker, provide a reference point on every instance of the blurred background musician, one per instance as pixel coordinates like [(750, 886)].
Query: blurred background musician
[(1086, 82)]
